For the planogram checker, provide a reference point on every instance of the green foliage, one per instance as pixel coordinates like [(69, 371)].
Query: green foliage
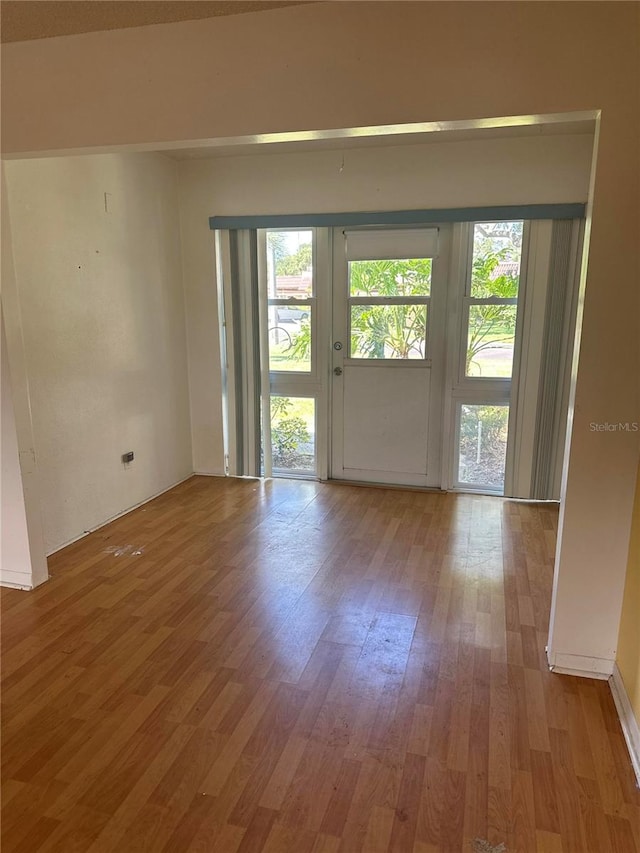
[(391, 278), (490, 323), (300, 349), (399, 331), (287, 433), (494, 426), (279, 407), (285, 262), (393, 331), (286, 438), (484, 280), (389, 331), (297, 263)]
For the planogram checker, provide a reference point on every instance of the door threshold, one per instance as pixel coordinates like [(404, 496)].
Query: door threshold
[(396, 486)]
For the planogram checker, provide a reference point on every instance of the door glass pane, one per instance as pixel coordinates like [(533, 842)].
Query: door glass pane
[(483, 446), (497, 252), (293, 433), (290, 264), (388, 331), (490, 340), (390, 278), (290, 337)]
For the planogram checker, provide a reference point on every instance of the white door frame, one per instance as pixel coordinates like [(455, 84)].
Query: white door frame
[(435, 362)]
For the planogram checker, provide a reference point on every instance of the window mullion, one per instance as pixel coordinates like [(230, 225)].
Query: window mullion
[(389, 300), (490, 300)]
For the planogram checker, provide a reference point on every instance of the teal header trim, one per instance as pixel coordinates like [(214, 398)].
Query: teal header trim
[(400, 217)]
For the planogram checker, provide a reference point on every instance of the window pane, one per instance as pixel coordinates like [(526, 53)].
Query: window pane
[(490, 340), (293, 433), (290, 264), (390, 278), (290, 337), (483, 445), (388, 331), (497, 252)]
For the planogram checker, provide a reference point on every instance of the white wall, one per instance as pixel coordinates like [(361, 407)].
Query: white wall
[(102, 313), (15, 559), (16, 567), (23, 561), (522, 170)]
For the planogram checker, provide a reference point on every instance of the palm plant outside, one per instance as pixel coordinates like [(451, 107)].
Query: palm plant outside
[(389, 331), (490, 324), (399, 331), (382, 331)]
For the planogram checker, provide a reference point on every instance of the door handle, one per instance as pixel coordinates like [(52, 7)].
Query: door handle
[(337, 371)]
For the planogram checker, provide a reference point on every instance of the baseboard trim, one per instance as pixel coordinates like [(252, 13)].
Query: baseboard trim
[(15, 580), (19, 580), (119, 515), (630, 727), (584, 667)]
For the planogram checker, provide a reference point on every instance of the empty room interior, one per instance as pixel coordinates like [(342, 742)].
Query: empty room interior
[(320, 427)]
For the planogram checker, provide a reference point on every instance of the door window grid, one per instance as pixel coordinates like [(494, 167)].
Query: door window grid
[(491, 299), (291, 300), (387, 308)]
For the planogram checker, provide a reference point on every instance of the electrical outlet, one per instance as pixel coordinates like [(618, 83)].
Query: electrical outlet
[(127, 457)]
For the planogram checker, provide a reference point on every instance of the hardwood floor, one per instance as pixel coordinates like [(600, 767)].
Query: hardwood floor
[(290, 667)]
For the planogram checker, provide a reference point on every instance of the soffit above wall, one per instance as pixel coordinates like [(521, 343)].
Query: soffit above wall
[(25, 20)]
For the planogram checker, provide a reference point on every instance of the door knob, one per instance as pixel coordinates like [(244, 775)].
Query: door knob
[(337, 371)]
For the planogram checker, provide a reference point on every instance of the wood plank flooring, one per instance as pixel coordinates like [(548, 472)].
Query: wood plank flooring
[(293, 667)]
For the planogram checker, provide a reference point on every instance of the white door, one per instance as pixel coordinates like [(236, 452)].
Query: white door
[(387, 355)]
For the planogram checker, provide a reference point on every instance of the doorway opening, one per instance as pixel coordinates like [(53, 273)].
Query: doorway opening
[(413, 356)]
